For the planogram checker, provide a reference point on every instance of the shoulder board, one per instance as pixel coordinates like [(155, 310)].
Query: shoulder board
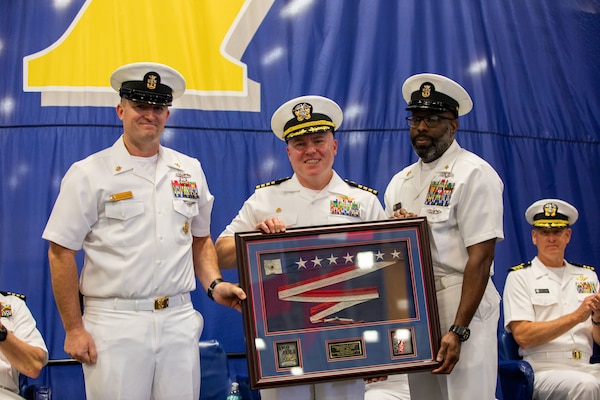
[(582, 266), (520, 266), (358, 185), (277, 182), (20, 296)]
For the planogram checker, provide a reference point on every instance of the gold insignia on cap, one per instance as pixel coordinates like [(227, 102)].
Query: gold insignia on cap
[(151, 82), (426, 90), (186, 227), (302, 111), (550, 209), (6, 310)]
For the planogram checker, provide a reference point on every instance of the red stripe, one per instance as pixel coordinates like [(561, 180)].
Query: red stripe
[(316, 279)]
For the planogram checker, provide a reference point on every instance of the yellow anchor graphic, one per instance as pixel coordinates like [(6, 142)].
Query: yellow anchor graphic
[(203, 39)]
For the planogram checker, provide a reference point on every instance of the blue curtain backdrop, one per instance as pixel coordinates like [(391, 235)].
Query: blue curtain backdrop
[(531, 67)]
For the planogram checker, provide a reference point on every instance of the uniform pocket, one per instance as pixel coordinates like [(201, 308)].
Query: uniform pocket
[(187, 208), (340, 219), (124, 210), (489, 303), (289, 220), (543, 300), (124, 223), (435, 214)]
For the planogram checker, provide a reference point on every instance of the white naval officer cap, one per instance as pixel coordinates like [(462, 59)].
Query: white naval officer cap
[(148, 82), (551, 213), (306, 114), (436, 92)]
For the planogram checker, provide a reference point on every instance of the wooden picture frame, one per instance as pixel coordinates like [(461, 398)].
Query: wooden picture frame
[(338, 301)]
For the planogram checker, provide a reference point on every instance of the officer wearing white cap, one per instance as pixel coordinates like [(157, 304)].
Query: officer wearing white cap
[(141, 214), (551, 213), (314, 195), (552, 308), (306, 114), (147, 82), (461, 196)]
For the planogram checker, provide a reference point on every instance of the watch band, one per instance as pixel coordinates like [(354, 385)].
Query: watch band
[(462, 331), (211, 288), (3, 333)]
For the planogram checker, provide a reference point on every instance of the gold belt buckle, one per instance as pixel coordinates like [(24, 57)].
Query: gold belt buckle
[(161, 302), (576, 354)]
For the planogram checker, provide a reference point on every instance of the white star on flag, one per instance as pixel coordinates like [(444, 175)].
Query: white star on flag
[(301, 264), (317, 261), (332, 259)]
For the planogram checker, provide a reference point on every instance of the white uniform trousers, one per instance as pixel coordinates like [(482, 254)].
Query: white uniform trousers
[(395, 387), (339, 390), (474, 377), (567, 380), (6, 394), (144, 355)]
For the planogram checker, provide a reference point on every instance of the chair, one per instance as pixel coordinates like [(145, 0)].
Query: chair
[(215, 374), (35, 392), (516, 374), (214, 371)]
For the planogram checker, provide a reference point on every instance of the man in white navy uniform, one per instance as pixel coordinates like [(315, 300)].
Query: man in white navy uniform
[(22, 348), (141, 214), (461, 196), (552, 308), (307, 124)]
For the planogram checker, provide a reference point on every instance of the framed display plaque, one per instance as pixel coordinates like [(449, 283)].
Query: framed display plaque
[(338, 301)]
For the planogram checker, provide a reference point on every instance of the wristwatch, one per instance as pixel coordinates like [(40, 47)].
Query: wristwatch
[(3, 333), (462, 331), (211, 288)]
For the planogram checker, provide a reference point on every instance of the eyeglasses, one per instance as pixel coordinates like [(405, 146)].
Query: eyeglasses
[(430, 120)]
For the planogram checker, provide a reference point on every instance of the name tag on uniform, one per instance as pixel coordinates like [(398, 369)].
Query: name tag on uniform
[(121, 196), (542, 290)]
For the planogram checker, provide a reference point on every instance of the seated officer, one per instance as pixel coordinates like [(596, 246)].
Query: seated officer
[(22, 348), (552, 307)]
